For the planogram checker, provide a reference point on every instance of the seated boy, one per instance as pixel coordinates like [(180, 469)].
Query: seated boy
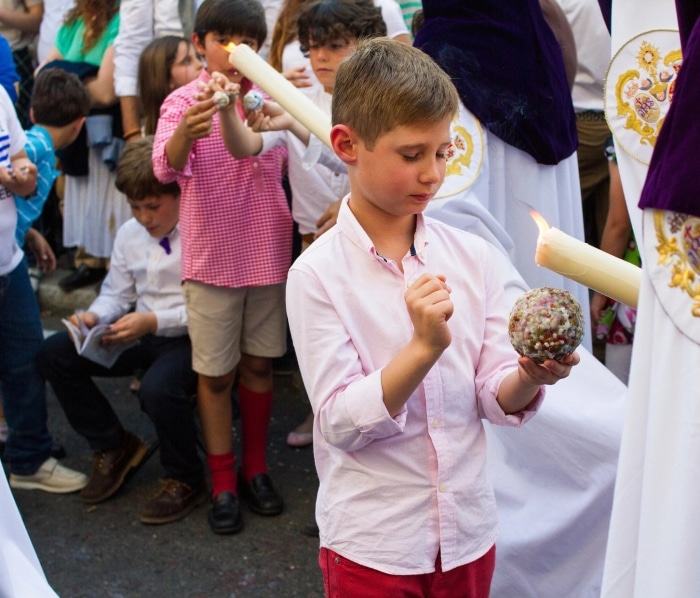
[(400, 329), (144, 276)]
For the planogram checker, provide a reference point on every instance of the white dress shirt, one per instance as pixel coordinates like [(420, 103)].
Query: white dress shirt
[(592, 52), (394, 491), (143, 275), (12, 140), (314, 189)]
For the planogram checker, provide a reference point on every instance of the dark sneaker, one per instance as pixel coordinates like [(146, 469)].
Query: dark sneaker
[(110, 468), (225, 514), (260, 494), (174, 500), (82, 276)]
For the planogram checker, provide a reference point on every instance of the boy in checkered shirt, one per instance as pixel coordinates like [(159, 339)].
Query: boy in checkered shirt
[(236, 249)]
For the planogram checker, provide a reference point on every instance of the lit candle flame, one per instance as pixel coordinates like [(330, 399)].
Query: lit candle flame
[(230, 47), (539, 221), (585, 264)]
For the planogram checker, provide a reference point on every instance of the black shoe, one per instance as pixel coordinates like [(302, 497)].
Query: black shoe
[(260, 495), (225, 514), (81, 277)]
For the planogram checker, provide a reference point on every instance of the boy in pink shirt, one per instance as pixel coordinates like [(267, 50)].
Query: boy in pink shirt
[(236, 249), (400, 329)]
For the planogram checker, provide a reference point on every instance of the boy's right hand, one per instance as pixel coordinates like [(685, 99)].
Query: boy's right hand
[(430, 307), (197, 121), (88, 318)]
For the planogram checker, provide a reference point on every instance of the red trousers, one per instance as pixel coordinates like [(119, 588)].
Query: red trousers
[(345, 579)]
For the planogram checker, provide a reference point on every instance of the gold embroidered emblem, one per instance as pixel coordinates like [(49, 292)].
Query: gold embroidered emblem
[(678, 238), (642, 79), (465, 154), (460, 151)]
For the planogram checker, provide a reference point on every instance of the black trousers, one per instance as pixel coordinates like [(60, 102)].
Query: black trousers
[(166, 394)]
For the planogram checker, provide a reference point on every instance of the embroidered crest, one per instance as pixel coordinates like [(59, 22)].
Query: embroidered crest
[(639, 89), (678, 249), (465, 154)]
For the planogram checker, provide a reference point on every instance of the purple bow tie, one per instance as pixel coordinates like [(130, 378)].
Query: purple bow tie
[(165, 244)]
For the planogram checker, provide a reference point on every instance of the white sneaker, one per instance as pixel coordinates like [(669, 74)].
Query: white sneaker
[(50, 477)]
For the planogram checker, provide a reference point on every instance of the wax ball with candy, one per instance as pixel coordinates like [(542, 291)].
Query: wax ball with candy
[(252, 101), (546, 323)]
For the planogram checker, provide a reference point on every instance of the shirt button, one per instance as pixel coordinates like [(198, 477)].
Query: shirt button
[(441, 487), (436, 423)]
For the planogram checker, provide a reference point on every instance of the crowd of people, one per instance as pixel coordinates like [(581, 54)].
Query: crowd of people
[(217, 232)]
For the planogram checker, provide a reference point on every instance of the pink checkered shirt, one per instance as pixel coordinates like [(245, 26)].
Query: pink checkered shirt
[(234, 218)]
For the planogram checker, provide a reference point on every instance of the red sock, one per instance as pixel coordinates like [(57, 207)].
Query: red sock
[(221, 470), (255, 419)]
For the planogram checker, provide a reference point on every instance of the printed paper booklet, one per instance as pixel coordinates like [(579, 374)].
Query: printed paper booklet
[(87, 343)]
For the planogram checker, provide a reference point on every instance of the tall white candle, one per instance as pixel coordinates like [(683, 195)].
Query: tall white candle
[(254, 68), (600, 271)]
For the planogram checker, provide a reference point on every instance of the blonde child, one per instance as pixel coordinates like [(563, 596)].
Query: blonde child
[(400, 329)]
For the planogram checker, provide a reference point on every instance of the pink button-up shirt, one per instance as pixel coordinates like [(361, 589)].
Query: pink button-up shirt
[(234, 217), (395, 490)]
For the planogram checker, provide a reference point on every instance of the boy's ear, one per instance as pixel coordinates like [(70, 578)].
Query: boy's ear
[(344, 143), (78, 124), (198, 45), (31, 115)]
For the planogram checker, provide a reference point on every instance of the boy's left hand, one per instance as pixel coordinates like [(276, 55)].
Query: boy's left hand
[(271, 117), (130, 327), (549, 372)]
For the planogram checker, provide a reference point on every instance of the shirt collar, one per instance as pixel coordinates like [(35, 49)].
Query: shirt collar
[(352, 229)]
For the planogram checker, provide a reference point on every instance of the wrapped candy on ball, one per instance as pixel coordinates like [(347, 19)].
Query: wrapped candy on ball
[(222, 99), (546, 323), (252, 101)]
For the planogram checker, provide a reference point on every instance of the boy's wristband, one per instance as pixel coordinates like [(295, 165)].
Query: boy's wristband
[(131, 132)]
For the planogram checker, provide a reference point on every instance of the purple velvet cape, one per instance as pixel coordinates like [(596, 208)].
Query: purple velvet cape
[(673, 182), (508, 68)]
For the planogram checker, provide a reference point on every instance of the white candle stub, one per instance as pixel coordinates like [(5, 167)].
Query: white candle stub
[(600, 271)]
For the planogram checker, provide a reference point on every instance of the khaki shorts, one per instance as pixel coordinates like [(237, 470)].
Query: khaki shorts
[(223, 323)]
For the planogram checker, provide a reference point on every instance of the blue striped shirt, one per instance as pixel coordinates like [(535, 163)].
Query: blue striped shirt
[(40, 151)]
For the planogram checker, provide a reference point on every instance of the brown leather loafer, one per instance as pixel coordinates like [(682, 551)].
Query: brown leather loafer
[(174, 500), (110, 468)]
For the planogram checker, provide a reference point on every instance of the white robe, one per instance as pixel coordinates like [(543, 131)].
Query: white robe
[(554, 477), (654, 531), (20, 571)]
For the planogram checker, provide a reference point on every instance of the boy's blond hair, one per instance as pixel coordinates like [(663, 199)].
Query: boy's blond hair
[(135, 177), (386, 84)]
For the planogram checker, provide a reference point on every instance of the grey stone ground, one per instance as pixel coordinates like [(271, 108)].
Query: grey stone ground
[(103, 551)]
